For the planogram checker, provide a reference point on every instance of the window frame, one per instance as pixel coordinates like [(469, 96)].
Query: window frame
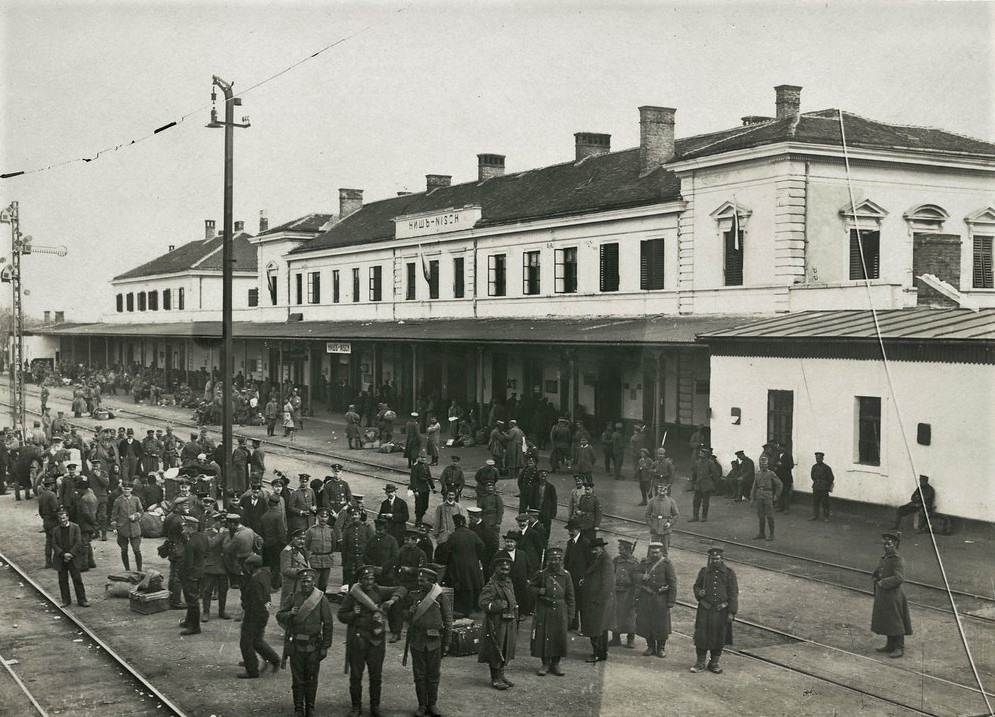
[(355, 285), (336, 286), (253, 298), (433, 279), (652, 278), (605, 283), (119, 303), (272, 283), (982, 273), (864, 255), (565, 270), (314, 287), (298, 288), (459, 277), (376, 283), (142, 301), (167, 299), (130, 301), (411, 278), (531, 273), (153, 300), (867, 441), (733, 259), (497, 275), (181, 299)]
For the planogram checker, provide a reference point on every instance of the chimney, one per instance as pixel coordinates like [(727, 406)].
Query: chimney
[(789, 101), (434, 181), (489, 165), (656, 137), (263, 221), (208, 229), (172, 247), (239, 227), (47, 317), (350, 202), (589, 144), (60, 317)]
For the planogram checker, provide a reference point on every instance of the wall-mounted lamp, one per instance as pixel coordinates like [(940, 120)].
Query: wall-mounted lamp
[(736, 416)]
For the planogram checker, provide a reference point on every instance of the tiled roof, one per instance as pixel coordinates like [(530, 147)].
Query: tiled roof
[(310, 223), (823, 127), (197, 255), (595, 184), (952, 325)]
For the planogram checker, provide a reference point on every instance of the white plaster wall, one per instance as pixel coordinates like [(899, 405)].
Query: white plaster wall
[(202, 297), (960, 460)]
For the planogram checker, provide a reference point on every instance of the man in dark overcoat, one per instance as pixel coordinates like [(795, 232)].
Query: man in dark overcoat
[(628, 577), (499, 633), (412, 440), (395, 511), (523, 567), (542, 497), (891, 609), (656, 596), (555, 604), (462, 555), (717, 593), (576, 559), (597, 606), (421, 484)]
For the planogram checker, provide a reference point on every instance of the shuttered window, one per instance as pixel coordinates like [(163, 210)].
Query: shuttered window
[(141, 301), (253, 298), (167, 299), (433, 279), (409, 290), (181, 298), (609, 267), (131, 301), (313, 287), (299, 288), (459, 289), (870, 242), (983, 277), (120, 303), (651, 264), (734, 257), (355, 285), (153, 301)]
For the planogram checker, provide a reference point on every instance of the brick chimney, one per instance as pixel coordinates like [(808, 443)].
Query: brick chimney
[(350, 201), (46, 317), (789, 101), (60, 317), (434, 181), (656, 137), (589, 144), (263, 221), (489, 166), (208, 229), (239, 227)]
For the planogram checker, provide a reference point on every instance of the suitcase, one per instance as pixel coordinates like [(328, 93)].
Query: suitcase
[(148, 603), (466, 640)]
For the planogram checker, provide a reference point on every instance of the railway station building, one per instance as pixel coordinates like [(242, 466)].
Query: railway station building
[(724, 279)]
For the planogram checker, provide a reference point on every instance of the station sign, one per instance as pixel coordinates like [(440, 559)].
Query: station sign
[(431, 223), (334, 347)]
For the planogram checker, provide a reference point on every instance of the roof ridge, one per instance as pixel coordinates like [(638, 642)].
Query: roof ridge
[(735, 135), (930, 128)]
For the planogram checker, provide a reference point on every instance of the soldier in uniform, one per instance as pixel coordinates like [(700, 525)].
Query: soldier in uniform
[(48, 509), (597, 610), (628, 576), (661, 514), (891, 609), (381, 552), (292, 559), (319, 547), (410, 558), (717, 593), (170, 454), (302, 506), (215, 572), (125, 515), (355, 536), (588, 513), (555, 605), (704, 479), (307, 620), (151, 453), (273, 529), (542, 499), (240, 466), (420, 484), (462, 556), (364, 610), (656, 596), (191, 569), (335, 494), (765, 493), (453, 479), (499, 634), (430, 629)]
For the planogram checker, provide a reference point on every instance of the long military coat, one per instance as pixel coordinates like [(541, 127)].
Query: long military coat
[(657, 594), (628, 578), (891, 609), (717, 592), (597, 605), (553, 592), (499, 635)]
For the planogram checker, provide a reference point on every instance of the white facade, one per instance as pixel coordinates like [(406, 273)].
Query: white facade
[(960, 458), (193, 296)]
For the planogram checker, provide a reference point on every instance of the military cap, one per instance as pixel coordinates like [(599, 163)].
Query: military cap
[(321, 511), (256, 485), (656, 544), (256, 442), (336, 466), (502, 557), (304, 476), (304, 572), (358, 497), (589, 482), (626, 541), (183, 479), (56, 439), (298, 533), (274, 499), (254, 559), (414, 414), (62, 510), (390, 488), (130, 432), (521, 518), (423, 459), (150, 432), (242, 439), (182, 500), (412, 533), (563, 419), (424, 527), (191, 520), (489, 461), (233, 516), (515, 535), (618, 425), (201, 457), (72, 466), (474, 509), (740, 452), (545, 473), (891, 536), (429, 573), (49, 480), (380, 520), (194, 435), (555, 550), (597, 543), (532, 511), (499, 423), (366, 570), (454, 458), (716, 551), (513, 422), (819, 453)]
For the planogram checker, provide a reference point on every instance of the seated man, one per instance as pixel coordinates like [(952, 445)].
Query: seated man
[(923, 501)]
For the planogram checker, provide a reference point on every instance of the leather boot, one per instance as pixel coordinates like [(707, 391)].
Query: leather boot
[(650, 648), (630, 641), (698, 666), (616, 640), (504, 679), (138, 562), (713, 666)]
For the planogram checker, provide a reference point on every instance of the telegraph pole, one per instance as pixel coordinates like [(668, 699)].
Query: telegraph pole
[(227, 365)]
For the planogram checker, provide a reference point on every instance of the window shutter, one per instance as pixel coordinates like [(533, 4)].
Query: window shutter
[(983, 278), (317, 288), (651, 264), (253, 298), (609, 267)]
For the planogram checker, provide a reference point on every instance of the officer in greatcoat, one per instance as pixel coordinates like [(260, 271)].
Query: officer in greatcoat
[(499, 633), (302, 506), (628, 577), (292, 559), (717, 593), (462, 555), (656, 596), (355, 536), (307, 620), (891, 609), (319, 547), (555, 604), (430, 629), (597, 606)]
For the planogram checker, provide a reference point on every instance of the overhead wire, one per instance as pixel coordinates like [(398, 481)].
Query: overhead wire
[(894, 397), (196, 111)]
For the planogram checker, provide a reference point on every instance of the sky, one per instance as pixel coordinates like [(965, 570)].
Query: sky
[(408, 89)]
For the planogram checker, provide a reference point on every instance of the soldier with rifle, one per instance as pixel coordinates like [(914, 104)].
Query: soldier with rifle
[(430, 629), (307, 620)]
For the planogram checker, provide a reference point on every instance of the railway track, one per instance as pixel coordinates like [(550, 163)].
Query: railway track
[(59, 665)]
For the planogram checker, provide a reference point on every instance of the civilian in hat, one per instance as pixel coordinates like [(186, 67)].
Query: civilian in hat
[(628, 575), (462, 555), (747, 474), (412, 440), (453, 478), (319, 547), (395, 511), (500, 629), (890, 616), (430, 628), (657, 595), (497, 445), (67, 544), (126, 515), (256, 606), (215, 572), (292, 559), (542, 499), (705, 477), (365, 610), (308, 622), (192, 572), (559, 439), (253, 507), (130, 451), (588, 513), (335, 494), (765, 493), (302, 506), (486, 472), (48, 509), (822, 485), (443, 526), (531, 540), (421, 483), (555, 605), (717, 593), (597, 605), (273, 531), (523, 567), (381, 553), (576, 559)]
